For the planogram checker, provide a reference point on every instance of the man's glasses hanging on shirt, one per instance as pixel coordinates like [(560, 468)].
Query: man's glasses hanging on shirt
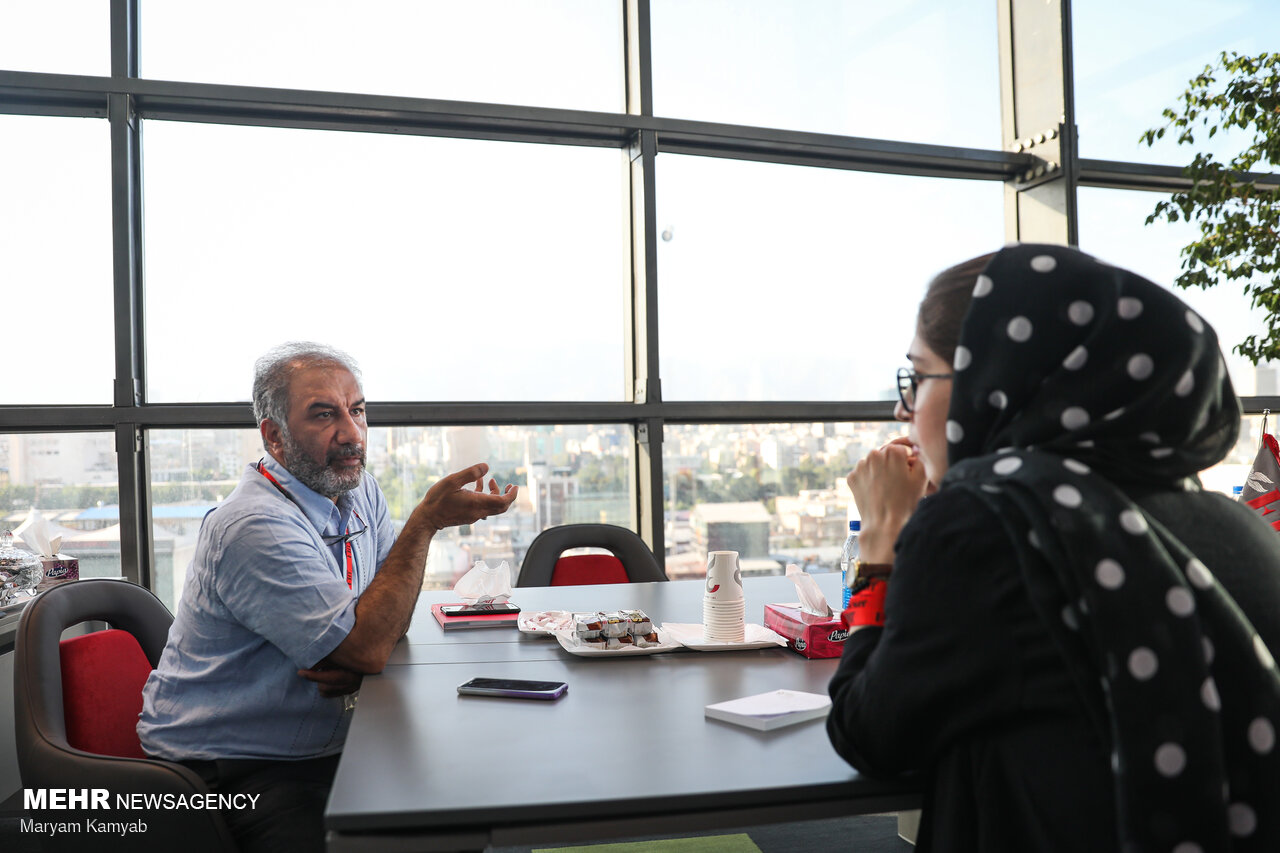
[(344, 538)]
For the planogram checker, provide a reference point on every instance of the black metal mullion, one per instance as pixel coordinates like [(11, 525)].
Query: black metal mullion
[(392, 413), (642, 362), (1115, 174), (27, 92), (1070, 148), (649, 481), (240, 416), (638, 57), (137, 557)]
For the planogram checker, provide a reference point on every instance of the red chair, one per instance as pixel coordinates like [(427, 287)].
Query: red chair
[(76, 705), (102, 678), (631, 560)]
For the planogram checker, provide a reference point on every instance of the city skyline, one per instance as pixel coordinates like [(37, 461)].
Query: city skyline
[(794, 472)]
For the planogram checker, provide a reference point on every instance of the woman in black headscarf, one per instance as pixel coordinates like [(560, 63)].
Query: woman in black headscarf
[(1067, 655)]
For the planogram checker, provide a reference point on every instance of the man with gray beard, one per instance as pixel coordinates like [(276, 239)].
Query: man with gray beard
[(299, 586)]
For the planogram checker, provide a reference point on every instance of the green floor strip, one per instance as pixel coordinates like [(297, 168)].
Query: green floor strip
[(740, 843)]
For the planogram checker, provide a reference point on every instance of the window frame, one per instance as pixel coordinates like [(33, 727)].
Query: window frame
[(1031, 164)]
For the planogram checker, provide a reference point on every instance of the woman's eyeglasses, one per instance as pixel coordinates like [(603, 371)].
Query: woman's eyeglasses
[(909, 380)]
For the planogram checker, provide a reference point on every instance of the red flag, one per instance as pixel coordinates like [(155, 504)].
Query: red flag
[(1262, 486)]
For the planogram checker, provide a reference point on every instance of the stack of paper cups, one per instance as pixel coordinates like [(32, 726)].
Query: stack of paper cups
[(723, 610)]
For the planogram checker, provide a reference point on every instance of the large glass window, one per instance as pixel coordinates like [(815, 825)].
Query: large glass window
[(919, 70), (70, 481), (775, 493), (56, 36), (192, 471), (566, 53), (1134, 59), (450, 269), (566, 475), (1112, 229), (55, 260), (576, 474), (458, 270), (796, 283)]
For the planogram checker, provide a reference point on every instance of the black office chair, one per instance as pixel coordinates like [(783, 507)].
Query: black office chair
[(631, 560), (76, 705)]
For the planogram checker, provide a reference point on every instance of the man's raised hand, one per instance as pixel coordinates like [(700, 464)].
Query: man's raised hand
[(449, 502)]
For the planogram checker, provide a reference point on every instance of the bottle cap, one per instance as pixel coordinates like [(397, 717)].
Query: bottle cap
[(854, 525)]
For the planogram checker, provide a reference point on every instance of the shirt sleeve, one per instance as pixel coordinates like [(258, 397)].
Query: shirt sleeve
[(277, 582), (946, 660)]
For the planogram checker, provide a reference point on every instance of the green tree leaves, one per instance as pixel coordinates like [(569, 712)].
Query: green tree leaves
[(1239, 221)]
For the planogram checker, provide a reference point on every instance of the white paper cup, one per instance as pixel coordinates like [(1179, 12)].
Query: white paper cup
[(733, 631), (721, 606), (724, 578), (723, 621)]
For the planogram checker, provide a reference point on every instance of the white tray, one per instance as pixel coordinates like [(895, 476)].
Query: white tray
[(572, 645), (754, 637)]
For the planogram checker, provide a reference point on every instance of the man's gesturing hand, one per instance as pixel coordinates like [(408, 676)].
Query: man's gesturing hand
[(449, 502)]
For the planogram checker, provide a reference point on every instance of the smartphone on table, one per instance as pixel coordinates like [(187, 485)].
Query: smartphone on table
[(479, 609), (513, 688)]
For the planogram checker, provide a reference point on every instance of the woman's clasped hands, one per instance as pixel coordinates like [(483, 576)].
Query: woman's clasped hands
[(887, 483)]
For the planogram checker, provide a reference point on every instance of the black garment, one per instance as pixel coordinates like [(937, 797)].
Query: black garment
[(288, 815), (965, 685), (1061, 659)]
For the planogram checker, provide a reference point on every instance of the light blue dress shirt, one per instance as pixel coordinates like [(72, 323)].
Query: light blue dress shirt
[(265, 596)]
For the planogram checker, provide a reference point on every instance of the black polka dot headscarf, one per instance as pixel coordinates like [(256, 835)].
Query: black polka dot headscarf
[(1072, 376)]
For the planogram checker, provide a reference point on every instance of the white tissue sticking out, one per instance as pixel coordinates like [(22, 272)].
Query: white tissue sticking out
[(38, 535), (812, 600), (483, 584)]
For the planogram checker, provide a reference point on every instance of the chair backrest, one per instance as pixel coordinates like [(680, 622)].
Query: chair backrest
[(581, 569), (102, 678), (37, 669), (76, 709), (632, 561)]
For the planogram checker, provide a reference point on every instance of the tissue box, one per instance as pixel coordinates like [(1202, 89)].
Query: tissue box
[(811, 636), (58, 570)]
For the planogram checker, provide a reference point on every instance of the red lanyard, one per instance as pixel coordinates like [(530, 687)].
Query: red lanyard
[(350, 563), (351, 566)]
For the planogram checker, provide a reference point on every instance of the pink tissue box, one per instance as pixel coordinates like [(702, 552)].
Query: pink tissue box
[(57, 571), (811, 636)]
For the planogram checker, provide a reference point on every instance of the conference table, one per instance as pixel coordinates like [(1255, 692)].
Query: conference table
[(626, 751)]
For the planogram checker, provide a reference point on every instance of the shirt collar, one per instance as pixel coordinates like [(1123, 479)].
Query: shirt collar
[(318, 509)]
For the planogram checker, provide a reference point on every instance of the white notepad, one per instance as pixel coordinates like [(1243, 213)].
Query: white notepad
[(772, 710)]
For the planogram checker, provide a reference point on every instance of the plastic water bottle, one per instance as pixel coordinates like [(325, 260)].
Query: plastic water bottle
[(847, 556)]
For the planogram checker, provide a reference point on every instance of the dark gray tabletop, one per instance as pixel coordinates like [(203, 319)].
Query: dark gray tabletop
[(628, 744)]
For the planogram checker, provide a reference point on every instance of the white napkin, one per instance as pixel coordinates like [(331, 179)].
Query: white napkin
[(812, 600), (483, 584), (38, 536)]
